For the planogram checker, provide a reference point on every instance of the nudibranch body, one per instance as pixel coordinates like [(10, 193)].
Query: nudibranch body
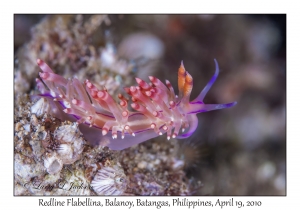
[(104, 121)]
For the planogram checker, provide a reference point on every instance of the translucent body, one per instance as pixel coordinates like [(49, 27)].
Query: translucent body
[(108, 123)]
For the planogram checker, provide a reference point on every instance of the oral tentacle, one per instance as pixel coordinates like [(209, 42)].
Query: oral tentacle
[(203, 93), (199, 108)]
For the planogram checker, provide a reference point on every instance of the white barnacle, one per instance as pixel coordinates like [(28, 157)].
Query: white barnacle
[(40, 107), (53, 163), (71, 145), (110, 180), (65, 153), (67, 133)]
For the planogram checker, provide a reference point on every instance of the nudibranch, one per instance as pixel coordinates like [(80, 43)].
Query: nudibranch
[(103, 121)]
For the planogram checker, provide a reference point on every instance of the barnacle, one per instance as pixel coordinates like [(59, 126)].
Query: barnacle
[(67, 133), (71, 143), (65, 147), (40, 107), (110, 180), (53, 163), (158, 109)]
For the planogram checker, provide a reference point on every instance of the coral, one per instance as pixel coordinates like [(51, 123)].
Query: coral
[(159, 110)]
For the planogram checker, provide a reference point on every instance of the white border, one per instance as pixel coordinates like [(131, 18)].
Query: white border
[(29, 6)]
